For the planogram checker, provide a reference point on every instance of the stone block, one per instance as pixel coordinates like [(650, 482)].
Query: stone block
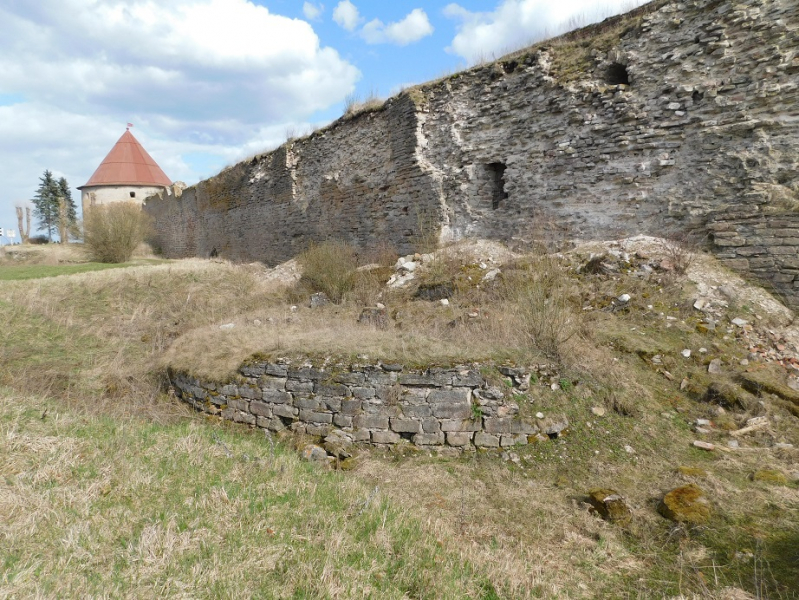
[(352, 378), (350, 407), (246, 391), (363, 392), (239, 404), (361, 435), (453, 396), (275, 370), (754, 263), (276, 397), (508, 425), (459, 438), (218, 400), (254, 370), (307, 374), (242, 417), (737, 264), (425, 380), (486, 440), (272, 383), (460, 425), (452, 411), (340, 420), (417, 410), (783, 250), (284, 410), (308, 403), (318, 429), (260, 409), (381, 378), (333, 404), (301, 387), (385, 437), (270, 424), (431, 425), (405, 425), (374, 421), (469, 378), (513, 440), (429, 439), (229, 390), (229, 413), (331, 389), (312, 416)]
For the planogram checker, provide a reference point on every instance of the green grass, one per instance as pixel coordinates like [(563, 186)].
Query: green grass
[(97, 506), (22, 272), (109, 487)]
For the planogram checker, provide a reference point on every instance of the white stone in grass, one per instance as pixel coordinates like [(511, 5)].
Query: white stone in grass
[(539, 415), (686, 353), (227, 326), (624, 298), (444, 302), (740, 322)]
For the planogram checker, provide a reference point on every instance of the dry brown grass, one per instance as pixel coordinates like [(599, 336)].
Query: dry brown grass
[(147, 507)]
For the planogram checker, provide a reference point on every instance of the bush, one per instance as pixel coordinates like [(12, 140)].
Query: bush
[(541, 298), (112, 232), (329, 267)]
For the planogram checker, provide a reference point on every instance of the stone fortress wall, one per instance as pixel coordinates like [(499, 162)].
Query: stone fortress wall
[(677, 117)]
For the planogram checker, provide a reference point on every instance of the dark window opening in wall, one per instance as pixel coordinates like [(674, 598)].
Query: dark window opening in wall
[(510, 66), (498, 193), (617, 75), (697, 97), (133, 194)]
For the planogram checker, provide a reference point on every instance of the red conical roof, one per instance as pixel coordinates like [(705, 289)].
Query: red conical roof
[(128, 164)]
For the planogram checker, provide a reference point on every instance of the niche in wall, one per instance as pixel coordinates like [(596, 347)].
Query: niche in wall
[(617, 74), (496, 174)]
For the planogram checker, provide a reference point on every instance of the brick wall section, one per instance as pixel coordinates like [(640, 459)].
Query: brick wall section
[(375, 404), (705, 138)]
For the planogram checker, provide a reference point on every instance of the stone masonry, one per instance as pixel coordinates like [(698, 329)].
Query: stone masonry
[(373, 404), (677, 117)]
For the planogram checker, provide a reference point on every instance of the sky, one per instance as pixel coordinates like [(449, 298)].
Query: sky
[(207, 83)]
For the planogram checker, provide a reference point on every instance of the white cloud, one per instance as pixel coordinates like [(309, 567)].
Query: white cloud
[(515, 23), (412, 28), (311, 11), (346, 15), (199, 76)]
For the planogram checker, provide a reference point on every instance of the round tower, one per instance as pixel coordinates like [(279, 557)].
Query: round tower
[(128, 173)]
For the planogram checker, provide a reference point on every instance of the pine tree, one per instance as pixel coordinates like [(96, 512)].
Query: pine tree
[(45, 204)]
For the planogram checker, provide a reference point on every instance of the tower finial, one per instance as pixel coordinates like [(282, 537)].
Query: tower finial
[(129, 126)]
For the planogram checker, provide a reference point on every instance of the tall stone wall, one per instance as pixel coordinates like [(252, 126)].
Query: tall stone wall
[(676, 117)]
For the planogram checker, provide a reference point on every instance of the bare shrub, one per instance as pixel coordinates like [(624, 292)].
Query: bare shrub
[(329, 267), (539, 295), (680, 250), (111, 233)]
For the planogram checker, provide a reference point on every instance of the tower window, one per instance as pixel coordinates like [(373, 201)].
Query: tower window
[(132, 194)]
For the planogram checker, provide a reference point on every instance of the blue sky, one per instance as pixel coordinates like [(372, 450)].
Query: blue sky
[(209, 82)]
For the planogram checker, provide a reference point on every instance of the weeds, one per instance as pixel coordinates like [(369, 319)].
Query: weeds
[(329, 267)]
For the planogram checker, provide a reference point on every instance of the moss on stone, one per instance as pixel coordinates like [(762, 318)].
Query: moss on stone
[(686, 504), (770, 476)]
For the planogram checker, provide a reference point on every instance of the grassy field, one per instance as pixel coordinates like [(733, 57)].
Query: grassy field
[(109, 487)]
